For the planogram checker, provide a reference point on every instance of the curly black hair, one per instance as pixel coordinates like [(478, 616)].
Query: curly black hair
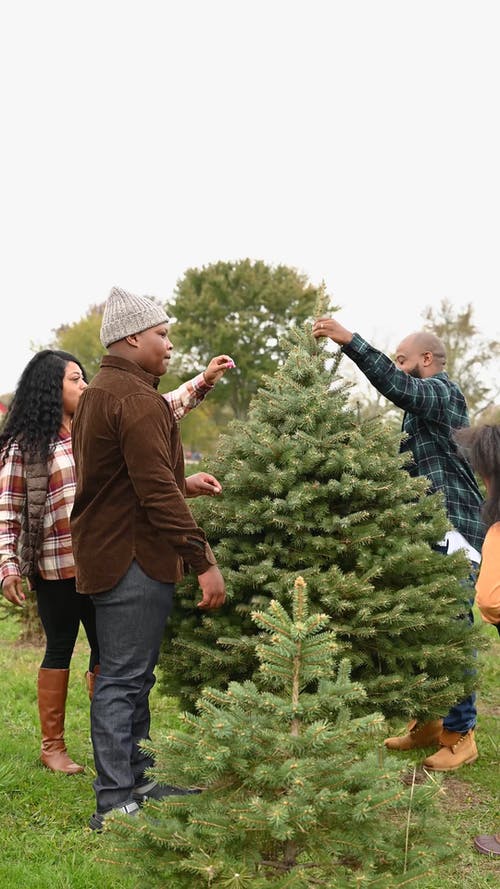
[(481, 446), (34, 417)]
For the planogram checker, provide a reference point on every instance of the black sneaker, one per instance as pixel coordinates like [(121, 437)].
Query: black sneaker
[(154, 790), (97, 820)]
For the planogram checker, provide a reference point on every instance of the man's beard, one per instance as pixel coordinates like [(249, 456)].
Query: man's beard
[(415, 372)]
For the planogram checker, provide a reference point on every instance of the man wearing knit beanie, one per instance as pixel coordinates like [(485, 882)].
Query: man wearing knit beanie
[(126, 314), (132, 533)]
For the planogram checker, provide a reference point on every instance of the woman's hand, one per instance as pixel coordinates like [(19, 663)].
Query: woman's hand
[(12, 588)]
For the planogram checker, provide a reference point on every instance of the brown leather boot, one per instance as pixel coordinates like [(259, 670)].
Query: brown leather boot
[(456, 750), (90, 680), (52, 692), (425, 734)]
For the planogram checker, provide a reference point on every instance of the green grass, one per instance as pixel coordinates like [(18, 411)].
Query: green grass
[(470, 796), (45, 841)]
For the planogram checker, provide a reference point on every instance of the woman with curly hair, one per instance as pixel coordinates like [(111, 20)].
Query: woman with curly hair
[(37, 490), (37, 486)]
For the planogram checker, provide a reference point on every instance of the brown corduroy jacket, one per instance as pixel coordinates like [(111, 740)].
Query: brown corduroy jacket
[(130, 487)]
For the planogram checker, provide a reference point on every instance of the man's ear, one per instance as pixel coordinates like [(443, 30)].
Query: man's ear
[(428, 358), (132, 340)]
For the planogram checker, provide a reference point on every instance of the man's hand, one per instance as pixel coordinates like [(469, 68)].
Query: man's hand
[(12, 588), (217, 368), (332, 329), (202, 483), (212, 588)]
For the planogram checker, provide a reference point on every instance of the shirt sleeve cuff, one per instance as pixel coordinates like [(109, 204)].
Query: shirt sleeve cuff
[(200, 384), (206, 561), (357, 346), (200, 558), (8, 570)]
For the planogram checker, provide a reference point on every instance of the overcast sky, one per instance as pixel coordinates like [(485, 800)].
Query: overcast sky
[(356, 141)]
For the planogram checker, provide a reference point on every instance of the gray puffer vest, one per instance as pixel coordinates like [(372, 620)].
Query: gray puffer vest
[(31, 536)]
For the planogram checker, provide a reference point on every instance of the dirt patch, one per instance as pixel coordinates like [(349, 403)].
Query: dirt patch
[(485, 708), (455, 794), (459, 795), (419, 777), (24, 643), (490, 711)]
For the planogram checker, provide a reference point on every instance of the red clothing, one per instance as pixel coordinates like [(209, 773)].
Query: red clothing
[(56, 561)]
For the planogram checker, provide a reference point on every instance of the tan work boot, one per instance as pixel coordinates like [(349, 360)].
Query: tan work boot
[(456, 750), (424, 734)]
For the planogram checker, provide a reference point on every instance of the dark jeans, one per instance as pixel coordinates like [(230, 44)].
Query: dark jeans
[(463, 716), (61, 609), (130, 621)]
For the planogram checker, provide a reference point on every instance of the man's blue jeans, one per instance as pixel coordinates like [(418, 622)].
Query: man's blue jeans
[(463, 716), (130, 621)]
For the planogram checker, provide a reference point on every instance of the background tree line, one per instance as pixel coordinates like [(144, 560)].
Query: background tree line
[(243, 309)]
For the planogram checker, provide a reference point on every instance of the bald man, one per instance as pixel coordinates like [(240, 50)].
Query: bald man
[(434, 406)]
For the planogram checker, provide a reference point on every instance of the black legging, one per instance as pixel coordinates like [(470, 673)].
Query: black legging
[(61, 609)]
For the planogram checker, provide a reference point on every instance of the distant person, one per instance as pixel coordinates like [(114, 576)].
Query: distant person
[(37, 486), (434, 407), (481, 445), (132, 534)]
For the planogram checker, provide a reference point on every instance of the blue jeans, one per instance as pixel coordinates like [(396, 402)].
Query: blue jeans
[(463, 716), (130, 621)]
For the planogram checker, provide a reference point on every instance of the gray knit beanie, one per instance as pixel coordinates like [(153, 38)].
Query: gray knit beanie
[(125, 314)]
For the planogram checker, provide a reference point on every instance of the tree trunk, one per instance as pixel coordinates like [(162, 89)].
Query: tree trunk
[(32, 632)]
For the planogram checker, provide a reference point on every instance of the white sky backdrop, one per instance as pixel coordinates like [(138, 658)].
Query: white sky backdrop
[(357, 141)]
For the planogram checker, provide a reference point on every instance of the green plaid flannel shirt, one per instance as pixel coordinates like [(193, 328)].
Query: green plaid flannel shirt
[(433, 408)]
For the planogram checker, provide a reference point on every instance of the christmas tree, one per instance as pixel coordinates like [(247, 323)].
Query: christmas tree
[(310, 488), (289, 798)]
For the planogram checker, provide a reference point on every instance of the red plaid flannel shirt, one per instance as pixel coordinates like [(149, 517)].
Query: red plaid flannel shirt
[(56, 561)]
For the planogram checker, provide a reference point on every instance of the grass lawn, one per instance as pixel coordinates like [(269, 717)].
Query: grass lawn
[(45, 841)]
